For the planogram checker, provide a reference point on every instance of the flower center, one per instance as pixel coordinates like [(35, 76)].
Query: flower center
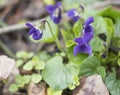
[(56, 12)]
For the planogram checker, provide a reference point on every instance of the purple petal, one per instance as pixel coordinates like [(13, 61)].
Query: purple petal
[(58, 4), (85, 49), (57, 19), (37, 35), (79, 40), (89, 29), (76, 50), (87, 37), (75, 19), (31, 31), (71, 13), (29, 25), (89, 21), (50, 8)]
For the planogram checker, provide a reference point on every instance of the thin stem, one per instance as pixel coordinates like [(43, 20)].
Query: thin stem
[(55, 38), (6, 49)]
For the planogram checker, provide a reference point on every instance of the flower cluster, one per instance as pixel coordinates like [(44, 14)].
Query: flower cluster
[(83, 41)]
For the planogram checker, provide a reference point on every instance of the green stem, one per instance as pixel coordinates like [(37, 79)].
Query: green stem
[(6, 49), (55, 38)]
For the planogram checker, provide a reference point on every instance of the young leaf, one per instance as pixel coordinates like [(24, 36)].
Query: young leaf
[(26, 78), (70, 43), (13, 88), (40, 65), (117, 28), (113, 84), (36, 78), (75, 59), (108, 11), (28, 65), (54, 92), (19, 62), (60, 74), (92, 65), (97, 44), (22, 54), (19, 81), (77, 28)]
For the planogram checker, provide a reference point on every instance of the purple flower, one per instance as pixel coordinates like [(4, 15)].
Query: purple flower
[(73, 14), (82, 44), (55, 12), (35, 33), (83, 41), (87, 27)]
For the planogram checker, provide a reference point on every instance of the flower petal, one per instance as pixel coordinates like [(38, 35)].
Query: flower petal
[(76, 50), (85, 49), (71, 13), (50, 8), (58, 4), (31, 31), (75, 19), (89, 29), (79, 40), (89, 21), (29, 25), (37, 35), (87, 37)]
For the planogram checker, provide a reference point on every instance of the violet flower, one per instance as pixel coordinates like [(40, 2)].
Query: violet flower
[(55, 12), (83, 41), (34, 32), (73, 14), (87, 27), (82, 44)]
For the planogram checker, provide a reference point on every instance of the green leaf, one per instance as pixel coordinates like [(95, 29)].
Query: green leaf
[(110, 30), (54, 92), (67, 34), (116, 42), (30, 55), (13, 88), (19, 81), (97, 44), (57, 75), (117, 28), (43, 55), (109, 12), (70, 43), (99, 25), (78, 59), (113, 84), (40, 65), (27, 78), (47, 36), (118, 62), (19, 62), (104, 26), (92, 65), (28, 65), (77, 28), (22, 54), (36, 78)]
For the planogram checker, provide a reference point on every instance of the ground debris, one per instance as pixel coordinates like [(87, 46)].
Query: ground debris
[(92, 85), (6, 66)]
